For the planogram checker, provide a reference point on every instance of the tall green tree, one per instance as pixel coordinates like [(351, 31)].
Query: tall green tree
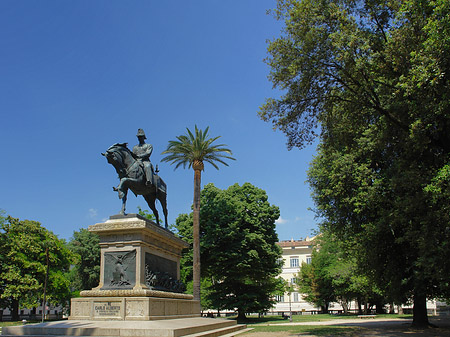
[(314, 281), (184, 229), (23, 270), (315, 289), (439, 193), (333, 276), (193, 150), (85, 273), (372, 79), (238, 246), (3, 301)]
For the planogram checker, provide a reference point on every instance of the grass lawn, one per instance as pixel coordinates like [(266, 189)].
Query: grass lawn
[(14, 323), (254, 320), (2, 324), (278, 324)]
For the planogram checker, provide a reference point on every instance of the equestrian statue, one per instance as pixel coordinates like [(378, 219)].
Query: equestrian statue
[(137, 173)]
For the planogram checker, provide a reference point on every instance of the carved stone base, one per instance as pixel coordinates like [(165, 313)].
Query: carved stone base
[(137, 254), (139, 274), (133, 308)]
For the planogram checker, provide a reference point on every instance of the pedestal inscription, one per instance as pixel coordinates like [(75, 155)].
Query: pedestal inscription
[(120, 270), (108, 309)]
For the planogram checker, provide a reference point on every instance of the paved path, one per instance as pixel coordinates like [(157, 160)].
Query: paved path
[(377, 327)]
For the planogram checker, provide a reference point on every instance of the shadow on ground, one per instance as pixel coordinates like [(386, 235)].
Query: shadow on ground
[(399, 328), (366, 328)]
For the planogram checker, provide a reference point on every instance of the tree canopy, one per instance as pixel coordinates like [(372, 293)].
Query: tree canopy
[(371, 78), (23, 266), (385, 59), (238, 247), (85, 273)]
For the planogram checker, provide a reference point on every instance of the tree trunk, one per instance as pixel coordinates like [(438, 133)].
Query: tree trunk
[(420, 316), (196, 235), (366, 306), (344, 305), (241, 315), (359, 306), (379, 307), (15, 310)]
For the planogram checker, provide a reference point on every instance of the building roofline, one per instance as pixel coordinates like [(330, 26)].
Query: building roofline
[(296, 243)]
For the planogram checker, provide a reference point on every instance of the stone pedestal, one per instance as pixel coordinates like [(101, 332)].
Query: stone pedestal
[(139, 274)]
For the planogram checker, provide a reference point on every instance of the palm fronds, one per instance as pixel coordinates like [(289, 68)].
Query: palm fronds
[(196, 146)]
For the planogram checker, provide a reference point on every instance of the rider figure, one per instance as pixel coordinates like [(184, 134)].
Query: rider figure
[(142, 152)]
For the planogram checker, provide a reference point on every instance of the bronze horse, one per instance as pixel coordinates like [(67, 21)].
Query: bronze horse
[(132, 176)]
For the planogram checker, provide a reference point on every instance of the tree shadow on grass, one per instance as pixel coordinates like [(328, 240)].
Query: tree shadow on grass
[(310, 330)]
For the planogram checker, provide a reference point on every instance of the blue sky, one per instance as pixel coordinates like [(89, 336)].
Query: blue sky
[(78, 76)]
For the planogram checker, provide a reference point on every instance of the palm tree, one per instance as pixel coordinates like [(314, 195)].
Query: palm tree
[(193, 150)]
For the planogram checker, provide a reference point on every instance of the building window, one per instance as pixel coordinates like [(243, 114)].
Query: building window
[(294, 281), (294, 262), (308, 259), (295, 297), (279, 298)]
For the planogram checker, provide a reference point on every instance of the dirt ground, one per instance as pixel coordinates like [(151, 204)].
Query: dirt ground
[(375, 328)]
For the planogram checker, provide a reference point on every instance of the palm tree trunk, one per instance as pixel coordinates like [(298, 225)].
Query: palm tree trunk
[(196, 235)]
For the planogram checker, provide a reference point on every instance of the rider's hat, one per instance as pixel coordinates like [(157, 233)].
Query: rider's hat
[(141, 133)]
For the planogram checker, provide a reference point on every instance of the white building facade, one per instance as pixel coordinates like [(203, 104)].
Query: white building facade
[(295, 252)]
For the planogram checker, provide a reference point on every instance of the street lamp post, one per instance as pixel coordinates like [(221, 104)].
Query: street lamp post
[(44, 301)]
